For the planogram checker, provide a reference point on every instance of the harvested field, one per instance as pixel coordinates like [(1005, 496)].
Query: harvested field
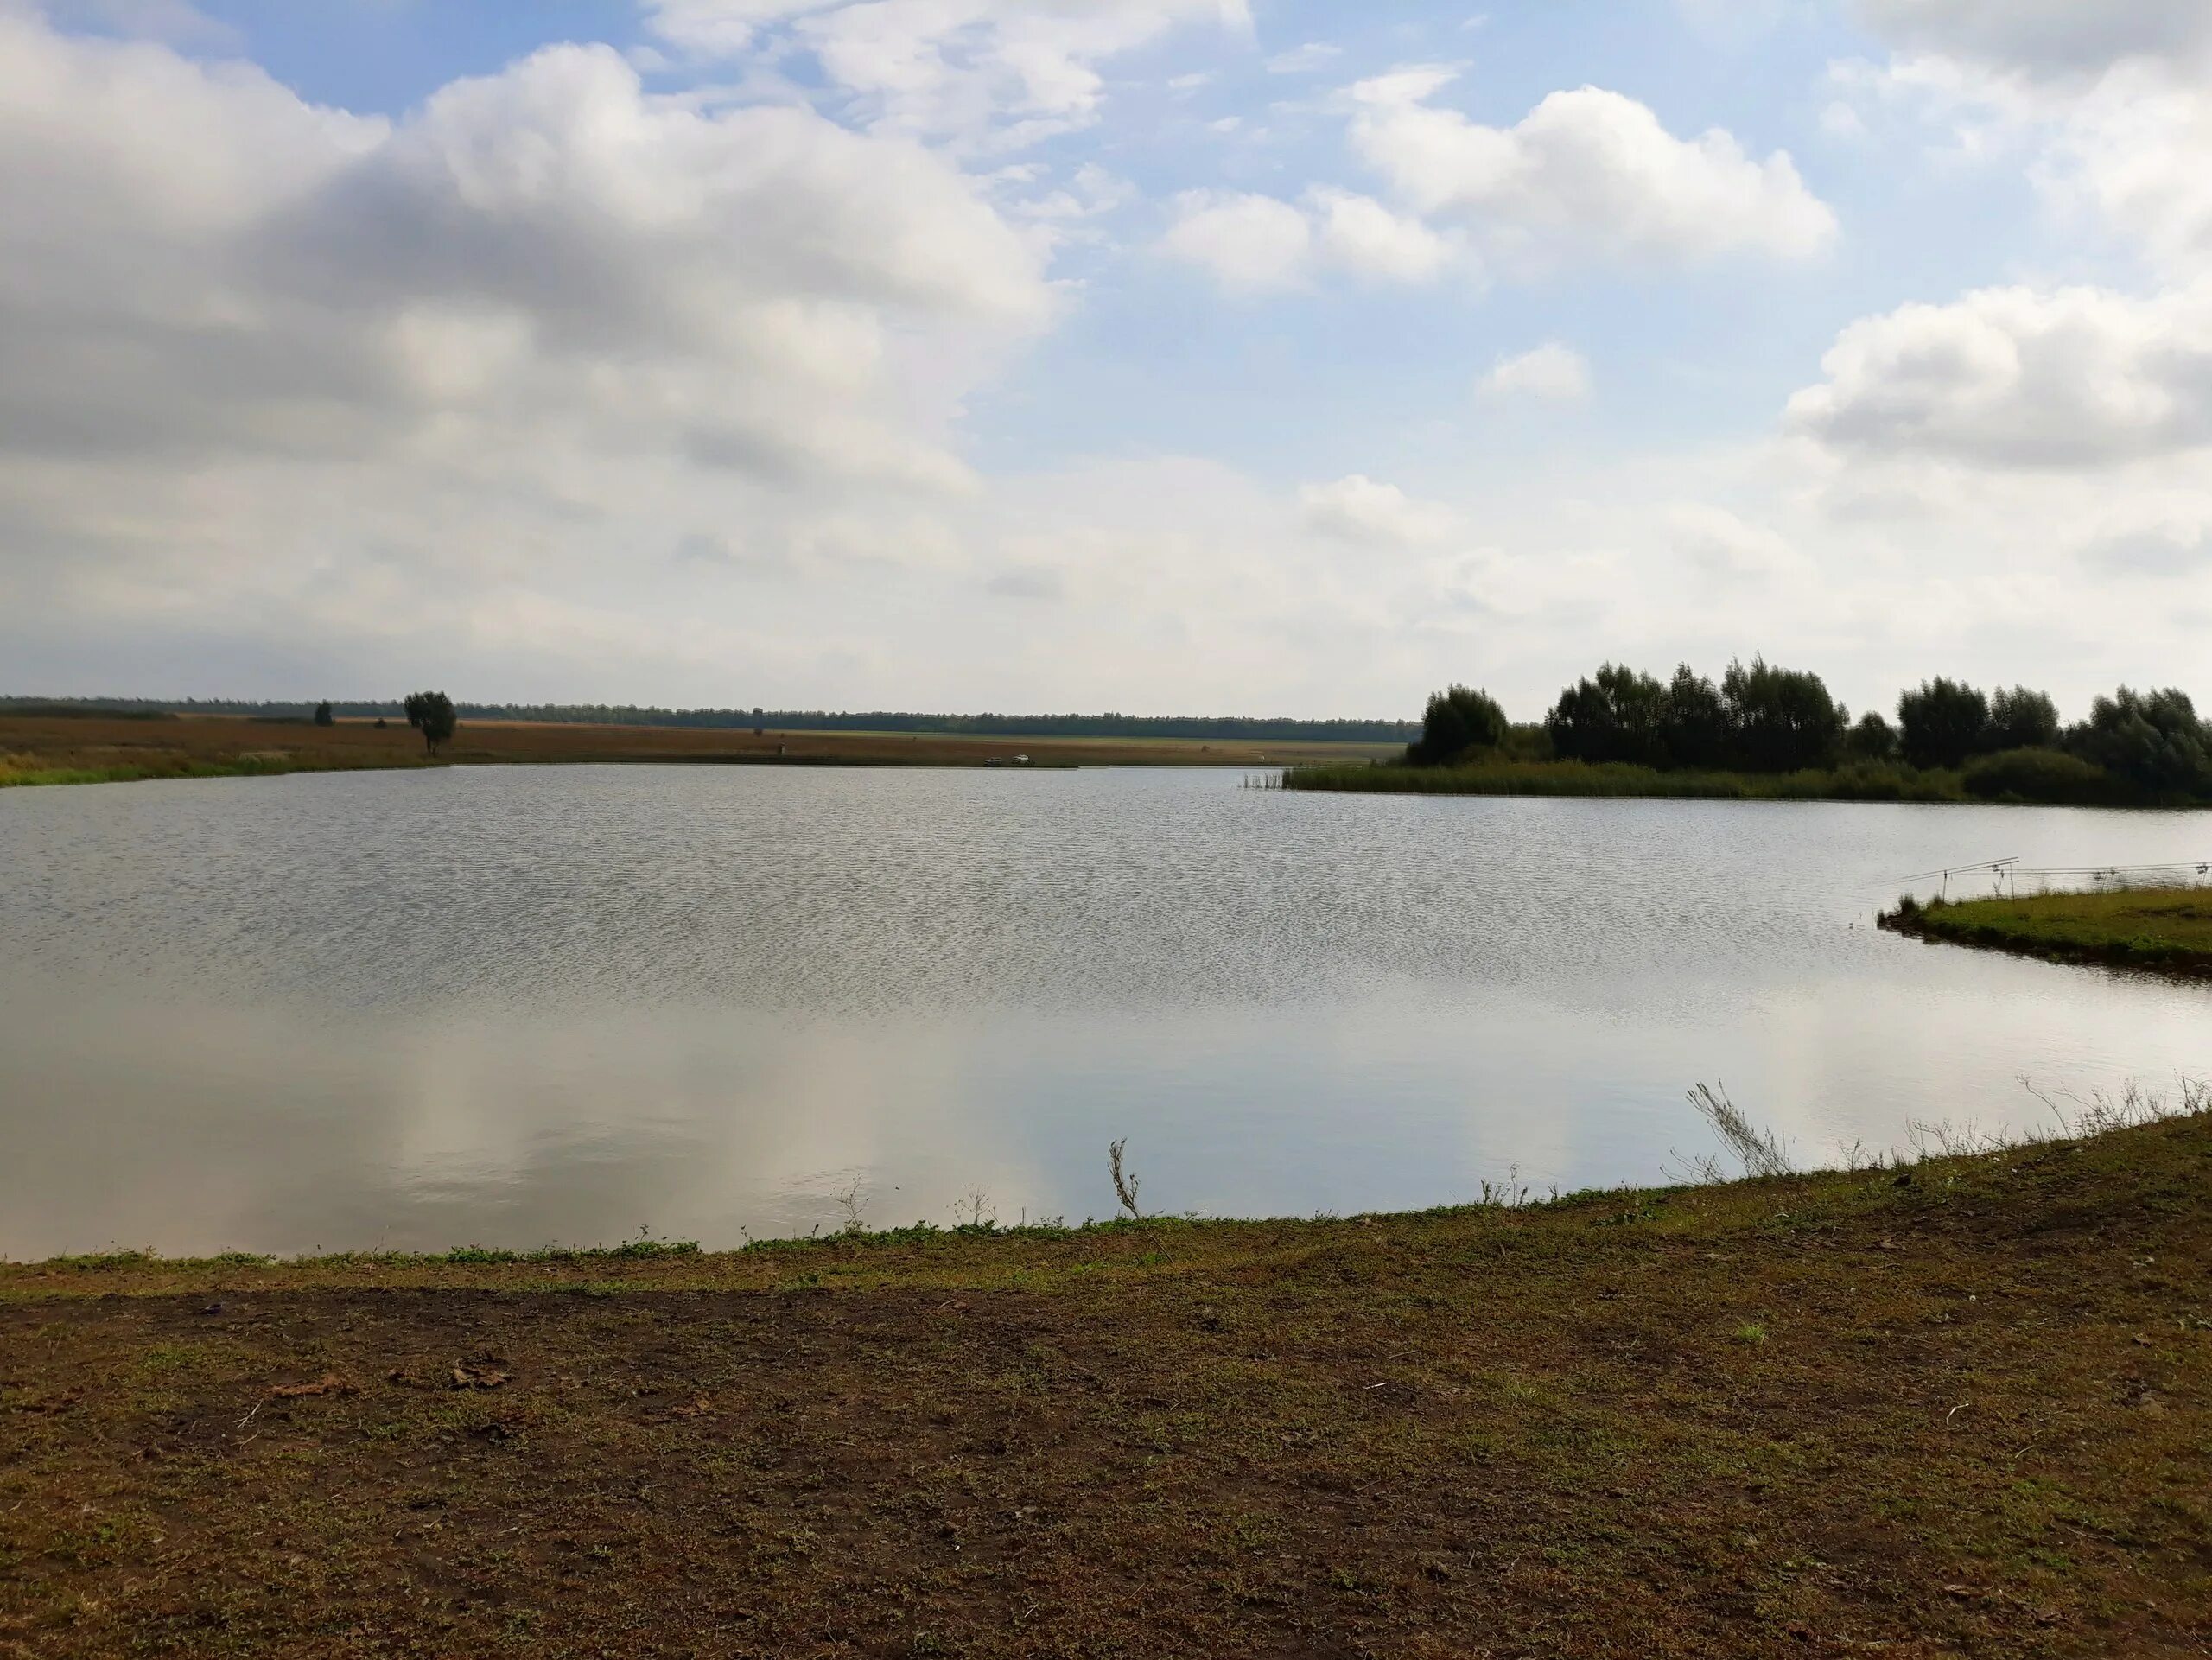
[(94, 749)]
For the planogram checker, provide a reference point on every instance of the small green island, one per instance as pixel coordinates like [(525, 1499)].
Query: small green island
[(2166, 929), (1764, 732)]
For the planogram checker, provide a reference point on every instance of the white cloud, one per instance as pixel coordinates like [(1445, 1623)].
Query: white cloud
[(1033, 582), (1362, 235), (1250, 243), (1254, 244), (1719, 543), (2046, 36), (278, 374), (1359, 509), (1587, 173), (1304, 60), (2013, 378), (2167, 550), (1014, 70), (2137, 152), (1554, 373), (199, 260), (2115, 101)]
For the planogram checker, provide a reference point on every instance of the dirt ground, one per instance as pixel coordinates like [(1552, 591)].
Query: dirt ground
[(1963, 1412), (162, 748)]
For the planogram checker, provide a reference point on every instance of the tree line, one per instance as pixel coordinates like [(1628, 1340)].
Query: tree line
[(1759, 718)]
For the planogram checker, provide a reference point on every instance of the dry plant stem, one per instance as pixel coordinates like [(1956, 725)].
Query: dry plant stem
[(1125, 1185), (1763, 1152)]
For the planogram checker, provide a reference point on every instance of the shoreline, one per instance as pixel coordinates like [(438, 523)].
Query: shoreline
[(653, 1260), (1619, 781), (1951, 1407), (2165, 931)]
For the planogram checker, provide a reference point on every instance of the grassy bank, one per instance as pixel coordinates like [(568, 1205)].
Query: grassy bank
[(92, 749), (1572, 778), (1956, 1409), (2167, 929)]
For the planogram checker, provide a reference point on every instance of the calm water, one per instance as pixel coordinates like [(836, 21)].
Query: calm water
[(526, 1006)]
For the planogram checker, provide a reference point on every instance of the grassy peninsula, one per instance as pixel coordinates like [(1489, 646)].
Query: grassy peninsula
[(2165, 929), (1955, 1408), (1764, 732)]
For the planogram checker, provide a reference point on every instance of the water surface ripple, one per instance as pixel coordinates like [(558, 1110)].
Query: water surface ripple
[(524, 1005)]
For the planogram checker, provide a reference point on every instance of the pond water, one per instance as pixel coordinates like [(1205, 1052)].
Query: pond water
[(523, 1006)]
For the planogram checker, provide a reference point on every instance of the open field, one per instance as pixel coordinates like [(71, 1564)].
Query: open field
[(1962, 1410), (2169, 929), (70, 750)]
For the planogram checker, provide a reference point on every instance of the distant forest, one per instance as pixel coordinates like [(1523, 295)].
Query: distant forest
[(1221, 729)]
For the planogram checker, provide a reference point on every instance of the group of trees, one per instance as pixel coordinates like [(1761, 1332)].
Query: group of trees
[(1759, 719), (1764, 719), (1947, 723)]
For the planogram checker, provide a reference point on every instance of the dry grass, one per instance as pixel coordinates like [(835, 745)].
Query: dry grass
[(1961, 1409), (47, 750)]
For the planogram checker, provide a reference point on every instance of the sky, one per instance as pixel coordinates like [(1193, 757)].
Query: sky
[(1262, 357)]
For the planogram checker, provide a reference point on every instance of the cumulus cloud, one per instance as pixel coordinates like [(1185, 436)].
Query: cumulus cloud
[(1250, 243), (1587, 173), (1551, 371), (1014, 70), (200, 261), (2014, 377), (1304, 60), (1255, 244), (2114, 100), (2046, 36), (1360, 234), (1359, 509), (2135, 152), (2157, 551), (1719, 543), (277, 373)]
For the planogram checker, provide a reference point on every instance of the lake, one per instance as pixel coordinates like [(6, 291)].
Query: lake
[(528, 1006)]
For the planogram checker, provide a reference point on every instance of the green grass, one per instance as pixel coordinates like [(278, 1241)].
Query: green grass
[(1574, 778), (2162, 928)]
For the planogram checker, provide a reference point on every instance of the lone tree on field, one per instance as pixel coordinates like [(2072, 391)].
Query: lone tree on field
[(323, 715), (432, 713)]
